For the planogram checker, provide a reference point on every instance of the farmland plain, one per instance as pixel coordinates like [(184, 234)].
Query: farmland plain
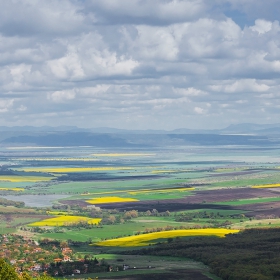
[(135, 192)]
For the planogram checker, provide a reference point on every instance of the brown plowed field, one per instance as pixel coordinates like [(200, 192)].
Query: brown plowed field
[(266, 208), (229, 194), (200, 200)]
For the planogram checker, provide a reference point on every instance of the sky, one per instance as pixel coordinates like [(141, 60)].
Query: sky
[(139, 64)]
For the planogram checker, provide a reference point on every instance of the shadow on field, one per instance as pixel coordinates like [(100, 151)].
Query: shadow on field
[(178, 274)]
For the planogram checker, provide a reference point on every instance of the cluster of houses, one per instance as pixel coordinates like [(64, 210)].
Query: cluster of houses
[(26, 254)]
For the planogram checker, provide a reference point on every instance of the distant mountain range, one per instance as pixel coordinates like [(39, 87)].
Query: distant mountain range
[(240, 134), (244, 128)]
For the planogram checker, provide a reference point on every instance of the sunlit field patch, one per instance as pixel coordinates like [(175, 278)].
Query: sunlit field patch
[(54, 159), (65, 221), (110, 199), (122, 155), (150, 238), (74, 169), (161, 191), (25, 178), (266, 186), (12, 189)]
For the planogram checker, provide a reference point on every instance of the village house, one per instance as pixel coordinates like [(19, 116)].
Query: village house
[(66, 251), (37, 250), (36, 267), (66, 258)]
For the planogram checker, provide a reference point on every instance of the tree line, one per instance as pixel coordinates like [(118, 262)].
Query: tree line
[(253, 254)]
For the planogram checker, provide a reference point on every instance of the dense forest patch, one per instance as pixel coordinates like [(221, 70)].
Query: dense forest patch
[(252, 254)]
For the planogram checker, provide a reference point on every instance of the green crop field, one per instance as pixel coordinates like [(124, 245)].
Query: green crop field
[(250, 201)]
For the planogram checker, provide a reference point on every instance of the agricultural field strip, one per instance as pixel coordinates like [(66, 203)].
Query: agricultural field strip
[(72, 169), (146, 239), (141, 191), (160, 264), (110, 199), (78, 233), (266, 186), (122, 155), (15, 210), (64, 220), (171, 171), (153, 221), (102, 168), (259, 223), (163, 190), (248, 201), (116, 230), (53, 159), (243, 180), (222, 170), (18, 178), (12, 189)]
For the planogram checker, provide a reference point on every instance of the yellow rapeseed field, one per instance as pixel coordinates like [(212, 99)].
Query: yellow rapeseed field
[(266, 186), (25, 178), (75, 169), (12, 189), (150, 238), (110, 199), (55, 159), (64, 221)]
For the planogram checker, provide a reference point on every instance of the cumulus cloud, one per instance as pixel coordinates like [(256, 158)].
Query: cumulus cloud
[(262, 26), (156, 12), (5, 105), (139, 63)]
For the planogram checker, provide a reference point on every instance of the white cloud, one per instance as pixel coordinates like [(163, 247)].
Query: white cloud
[(190, 91), (147, 12), (6, 105), (61, 96), (199, 110), (261, 26), (187, 61), (246, 85)]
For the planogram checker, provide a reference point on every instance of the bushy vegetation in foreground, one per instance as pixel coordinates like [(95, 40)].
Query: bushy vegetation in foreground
[(7, 272), (253, 254)]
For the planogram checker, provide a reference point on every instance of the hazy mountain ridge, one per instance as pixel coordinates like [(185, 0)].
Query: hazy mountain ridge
[(136, 140), (241, 134), (245, 128)]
